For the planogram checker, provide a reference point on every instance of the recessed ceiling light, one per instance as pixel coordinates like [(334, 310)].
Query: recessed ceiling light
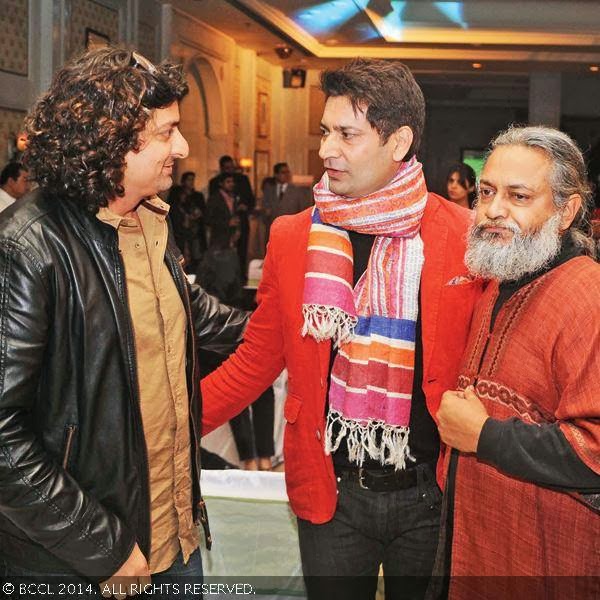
[(331, 42), (594, 68), (476, 65)]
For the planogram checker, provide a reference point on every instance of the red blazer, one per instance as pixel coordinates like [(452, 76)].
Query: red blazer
[(273, 341)]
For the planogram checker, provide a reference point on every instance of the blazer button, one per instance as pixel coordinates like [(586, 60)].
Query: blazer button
[(318, 434)]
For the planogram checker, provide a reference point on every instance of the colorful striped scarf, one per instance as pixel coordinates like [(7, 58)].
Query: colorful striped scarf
[(373, 325)]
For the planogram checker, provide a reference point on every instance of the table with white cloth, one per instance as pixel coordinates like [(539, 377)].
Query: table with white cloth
[(254, 532)]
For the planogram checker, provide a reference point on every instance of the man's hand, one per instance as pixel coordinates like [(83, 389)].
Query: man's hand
[(460, 419), (133, 575)]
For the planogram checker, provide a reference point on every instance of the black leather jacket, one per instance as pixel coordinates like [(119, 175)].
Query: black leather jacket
[(74, 491)]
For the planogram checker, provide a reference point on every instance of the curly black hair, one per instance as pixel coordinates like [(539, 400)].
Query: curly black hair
[(80, 130)]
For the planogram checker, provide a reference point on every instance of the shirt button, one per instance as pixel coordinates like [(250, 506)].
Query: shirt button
[(137, 244), (318, 434)]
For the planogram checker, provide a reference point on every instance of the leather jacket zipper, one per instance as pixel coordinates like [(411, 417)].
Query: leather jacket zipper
[(68, 445)]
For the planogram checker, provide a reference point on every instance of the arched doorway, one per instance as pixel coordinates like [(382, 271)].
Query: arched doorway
[(202, 121)]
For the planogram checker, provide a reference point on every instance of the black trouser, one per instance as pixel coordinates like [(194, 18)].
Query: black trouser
[(396, 529), (253, 433)]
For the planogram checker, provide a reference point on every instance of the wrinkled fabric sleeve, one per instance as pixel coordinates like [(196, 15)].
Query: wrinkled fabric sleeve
[(245, 375), (36, 494), (536, 453)]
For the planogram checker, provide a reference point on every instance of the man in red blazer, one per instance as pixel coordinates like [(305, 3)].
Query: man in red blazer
[(367, 303)]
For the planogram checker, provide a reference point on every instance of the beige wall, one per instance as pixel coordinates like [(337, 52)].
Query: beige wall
[(239, 88)]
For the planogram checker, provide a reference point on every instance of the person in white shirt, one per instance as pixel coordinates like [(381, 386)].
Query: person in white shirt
[(13, 184)]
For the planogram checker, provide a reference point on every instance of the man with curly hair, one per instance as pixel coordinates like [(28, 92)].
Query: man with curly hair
[(99, 409)]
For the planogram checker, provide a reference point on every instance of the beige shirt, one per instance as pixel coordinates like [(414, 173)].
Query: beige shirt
[(5, 199), (159, 324)]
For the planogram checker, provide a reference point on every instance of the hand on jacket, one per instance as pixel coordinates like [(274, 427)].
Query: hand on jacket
[(130, 579), (460, 419)]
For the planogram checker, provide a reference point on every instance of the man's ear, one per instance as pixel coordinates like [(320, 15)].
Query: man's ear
[(569, 211), (402, 140)]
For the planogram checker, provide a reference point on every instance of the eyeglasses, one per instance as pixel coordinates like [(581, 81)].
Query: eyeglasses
[(137, 60)]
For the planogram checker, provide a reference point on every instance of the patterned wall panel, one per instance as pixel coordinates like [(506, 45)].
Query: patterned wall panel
[(11, 122), (147, 41), (14, 52), (86, 13)]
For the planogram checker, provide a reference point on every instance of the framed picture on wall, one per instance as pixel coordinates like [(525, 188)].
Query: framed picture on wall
[(262, 169), (262, 117), (95, 39)]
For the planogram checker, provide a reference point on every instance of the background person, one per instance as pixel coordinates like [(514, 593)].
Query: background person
[(460, 185), (14, 184)]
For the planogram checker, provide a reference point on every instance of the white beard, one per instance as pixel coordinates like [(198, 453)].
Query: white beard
[(491, 258)]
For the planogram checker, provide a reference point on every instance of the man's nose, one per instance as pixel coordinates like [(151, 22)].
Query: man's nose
[(497, 208), (180, 148), (329, 147)]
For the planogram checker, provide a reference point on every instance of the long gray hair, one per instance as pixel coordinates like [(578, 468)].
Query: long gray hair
[(569, 174)]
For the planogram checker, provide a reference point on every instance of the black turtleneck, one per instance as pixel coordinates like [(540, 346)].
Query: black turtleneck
[(537, 453)]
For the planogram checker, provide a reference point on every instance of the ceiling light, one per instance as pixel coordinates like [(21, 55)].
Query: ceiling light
[(476, 65), (594, 68), (283, 51)]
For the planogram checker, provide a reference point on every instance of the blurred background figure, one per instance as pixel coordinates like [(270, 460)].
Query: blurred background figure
[(282, 197), (187, 218), (460, 185), (245, 203), (222, 217), (13, 184)]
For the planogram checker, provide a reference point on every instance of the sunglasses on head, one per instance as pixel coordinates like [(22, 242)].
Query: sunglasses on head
[(137, 60)]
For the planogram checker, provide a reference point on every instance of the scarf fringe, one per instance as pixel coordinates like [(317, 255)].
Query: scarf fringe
[(328, 322), (361, 438)]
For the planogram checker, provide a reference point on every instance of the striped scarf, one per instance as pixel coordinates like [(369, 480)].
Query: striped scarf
[(373, 325)]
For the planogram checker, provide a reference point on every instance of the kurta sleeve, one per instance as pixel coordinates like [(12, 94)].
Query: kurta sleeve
[(537, 453)]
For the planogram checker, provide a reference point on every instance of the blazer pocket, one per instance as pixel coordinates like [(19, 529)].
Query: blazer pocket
[(292, 407)]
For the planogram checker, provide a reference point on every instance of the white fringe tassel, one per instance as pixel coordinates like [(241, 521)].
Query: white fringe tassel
[(361, 438), (328, 323)]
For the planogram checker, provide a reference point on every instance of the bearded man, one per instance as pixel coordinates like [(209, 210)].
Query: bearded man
[(523, 478)]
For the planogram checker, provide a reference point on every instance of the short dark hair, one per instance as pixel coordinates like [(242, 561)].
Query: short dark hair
[(12, 170), (386, 89), (221, 177), (80, 130), (187, 174), (224, 159), (466, 178), (278, 166)]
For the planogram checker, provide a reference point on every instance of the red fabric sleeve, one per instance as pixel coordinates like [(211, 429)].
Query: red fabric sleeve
[(257, 362)]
